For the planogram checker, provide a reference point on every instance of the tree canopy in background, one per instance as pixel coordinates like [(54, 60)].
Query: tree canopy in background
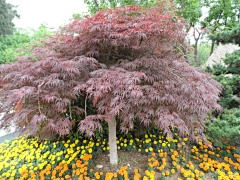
[(96, 5), (222, 15), (191, 10), (7, 14), (10, 44)]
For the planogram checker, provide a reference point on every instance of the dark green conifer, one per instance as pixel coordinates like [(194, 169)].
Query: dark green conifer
[(7, 14)]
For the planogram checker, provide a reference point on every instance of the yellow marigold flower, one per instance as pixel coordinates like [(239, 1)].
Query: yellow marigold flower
[(147, 172), (185, 175), (172, 171)]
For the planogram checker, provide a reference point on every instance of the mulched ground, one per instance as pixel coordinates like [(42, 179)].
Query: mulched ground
[(135, 160)]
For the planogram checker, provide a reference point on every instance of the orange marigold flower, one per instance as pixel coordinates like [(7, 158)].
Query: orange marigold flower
[(67, 176)]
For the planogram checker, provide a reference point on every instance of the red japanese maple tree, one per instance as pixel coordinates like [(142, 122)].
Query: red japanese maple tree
[(128, 59)]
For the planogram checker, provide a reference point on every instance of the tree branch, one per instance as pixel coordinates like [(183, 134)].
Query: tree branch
[(39, 108), (96, 3), (86, 106), (70, 110)]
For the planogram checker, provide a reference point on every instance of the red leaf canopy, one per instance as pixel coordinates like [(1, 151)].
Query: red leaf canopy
[(129, 59)]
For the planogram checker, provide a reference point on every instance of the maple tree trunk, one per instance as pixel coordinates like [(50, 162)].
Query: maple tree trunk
[(112, 140)]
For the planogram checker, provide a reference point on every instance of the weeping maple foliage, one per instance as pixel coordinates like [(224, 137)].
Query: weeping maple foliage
[(129, 60)]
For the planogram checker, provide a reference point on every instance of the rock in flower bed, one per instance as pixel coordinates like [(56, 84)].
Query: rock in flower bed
[(27, 158)]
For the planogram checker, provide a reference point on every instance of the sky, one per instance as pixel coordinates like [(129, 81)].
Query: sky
[(54, 12)]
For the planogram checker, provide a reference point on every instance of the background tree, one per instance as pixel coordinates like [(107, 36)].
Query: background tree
[(7, 14), (222, 15), (191, 10), (128, 60), (10, 45), (197, 35), (96, 5)]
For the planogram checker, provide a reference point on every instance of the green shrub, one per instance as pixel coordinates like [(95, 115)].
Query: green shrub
[(231, 84), (231, 88), (233, 62), (225, 129)]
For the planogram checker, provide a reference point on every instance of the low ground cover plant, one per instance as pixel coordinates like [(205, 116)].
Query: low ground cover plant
[(27, 158)]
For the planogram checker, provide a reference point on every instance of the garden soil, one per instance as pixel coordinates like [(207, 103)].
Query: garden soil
[(136, 160)]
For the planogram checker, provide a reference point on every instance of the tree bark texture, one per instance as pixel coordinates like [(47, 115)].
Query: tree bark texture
[(112, 140)]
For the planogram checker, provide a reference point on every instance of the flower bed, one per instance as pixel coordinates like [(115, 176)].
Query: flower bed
[(27, 158)]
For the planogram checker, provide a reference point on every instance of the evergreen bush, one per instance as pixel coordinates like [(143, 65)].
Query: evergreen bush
[(225, 128)]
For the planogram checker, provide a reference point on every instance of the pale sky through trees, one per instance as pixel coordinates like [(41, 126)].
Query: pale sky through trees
[(54, 12)]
